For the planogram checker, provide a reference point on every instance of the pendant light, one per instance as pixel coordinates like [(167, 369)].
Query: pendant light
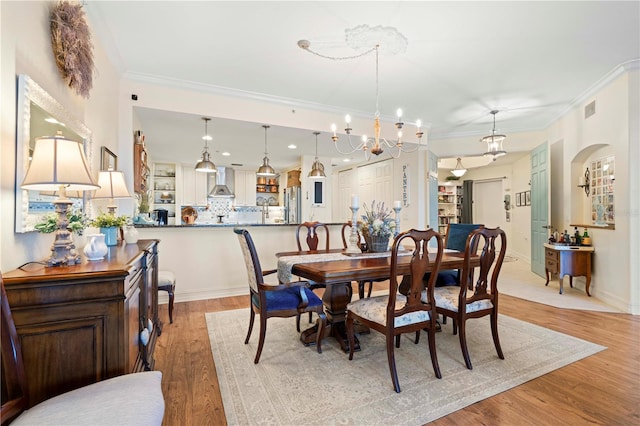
[(494, 141), (459, 171), (317, 169), (205, 165), (265, 169)]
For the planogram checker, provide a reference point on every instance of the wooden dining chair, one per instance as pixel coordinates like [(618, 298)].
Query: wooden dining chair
[(311, 231), (124, 400), (475, 298), (275, 300), (395, 314)]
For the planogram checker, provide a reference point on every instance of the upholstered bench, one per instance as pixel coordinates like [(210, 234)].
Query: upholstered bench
[(167, 282)]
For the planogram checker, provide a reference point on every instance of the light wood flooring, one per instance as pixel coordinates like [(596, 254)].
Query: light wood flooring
[(601, 389)]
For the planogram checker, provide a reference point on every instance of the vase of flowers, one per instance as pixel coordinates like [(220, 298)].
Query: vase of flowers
[(109, 225), (377, 226)]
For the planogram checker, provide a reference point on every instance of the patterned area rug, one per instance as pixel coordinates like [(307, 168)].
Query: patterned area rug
[(295, 385)]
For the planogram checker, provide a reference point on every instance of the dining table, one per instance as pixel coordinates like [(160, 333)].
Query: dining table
[(337, 269)]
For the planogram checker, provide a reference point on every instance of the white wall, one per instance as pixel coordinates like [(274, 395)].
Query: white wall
[(26, 49)]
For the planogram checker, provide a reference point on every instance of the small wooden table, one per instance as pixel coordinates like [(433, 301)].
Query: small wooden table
[(574, 261), (337, 275)]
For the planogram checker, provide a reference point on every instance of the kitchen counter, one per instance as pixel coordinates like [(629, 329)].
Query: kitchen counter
[(223, 225)]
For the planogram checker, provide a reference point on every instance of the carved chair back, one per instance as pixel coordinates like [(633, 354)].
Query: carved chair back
[(312, 239)]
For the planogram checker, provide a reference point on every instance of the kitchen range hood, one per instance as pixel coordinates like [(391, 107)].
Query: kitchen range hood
[(221, 184)]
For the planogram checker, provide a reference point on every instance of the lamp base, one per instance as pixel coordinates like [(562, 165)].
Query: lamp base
[(63, 249)]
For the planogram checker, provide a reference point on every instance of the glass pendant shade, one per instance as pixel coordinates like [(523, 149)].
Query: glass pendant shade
[(205, 165), (317, 169), (494, 140), (265, 169), (459, 171)]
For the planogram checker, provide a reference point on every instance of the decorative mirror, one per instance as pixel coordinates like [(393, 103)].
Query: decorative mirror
[(39, 114)]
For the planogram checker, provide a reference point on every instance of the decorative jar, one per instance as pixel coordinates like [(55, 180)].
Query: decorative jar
[(95, 249), (130, 234)]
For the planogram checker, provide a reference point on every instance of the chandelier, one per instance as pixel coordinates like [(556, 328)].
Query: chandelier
[(392, 42), (459, 171), (317, 169), (265, 169), (494, 140), (376, 145), (205, 165)]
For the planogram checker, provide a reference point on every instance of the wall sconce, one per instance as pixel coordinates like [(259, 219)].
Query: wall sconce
[(585, 182)]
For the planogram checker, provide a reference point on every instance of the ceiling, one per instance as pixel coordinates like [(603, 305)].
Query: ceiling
[(529, 60)]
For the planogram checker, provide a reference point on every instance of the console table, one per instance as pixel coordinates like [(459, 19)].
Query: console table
[(81, 324), (568, 260)]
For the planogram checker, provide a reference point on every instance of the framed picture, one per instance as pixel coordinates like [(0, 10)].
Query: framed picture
[(527, 198), (109, 159), (518, 199)]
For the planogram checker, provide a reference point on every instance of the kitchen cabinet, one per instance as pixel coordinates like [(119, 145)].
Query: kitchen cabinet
[(449, 205), (164, 189), (245, 188), (193, 188), (83, 323)]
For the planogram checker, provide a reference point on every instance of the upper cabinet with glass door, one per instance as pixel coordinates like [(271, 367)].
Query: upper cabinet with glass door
[(39, 114)]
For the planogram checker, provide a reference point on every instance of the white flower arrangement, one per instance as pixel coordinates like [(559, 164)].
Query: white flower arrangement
[(377, 221)]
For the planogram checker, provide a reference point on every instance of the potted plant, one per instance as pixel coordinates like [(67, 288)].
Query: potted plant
[(377, 226), (109, 225)]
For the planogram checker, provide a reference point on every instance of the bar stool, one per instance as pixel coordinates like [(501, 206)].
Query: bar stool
[(167, 282)]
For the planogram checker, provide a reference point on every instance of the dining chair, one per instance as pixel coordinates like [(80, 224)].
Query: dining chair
[(395, 314), (475, 299), (312, 230), (124, 400), (346, 232), (455, 239), (275, 300)]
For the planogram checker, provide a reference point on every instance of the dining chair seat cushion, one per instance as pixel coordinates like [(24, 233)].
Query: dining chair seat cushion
[(375, 309), (447, 298), (288, 298), (130, 399)]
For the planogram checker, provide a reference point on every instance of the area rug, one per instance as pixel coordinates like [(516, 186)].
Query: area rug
[(294, 385)]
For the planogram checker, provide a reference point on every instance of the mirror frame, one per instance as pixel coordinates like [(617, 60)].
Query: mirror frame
[(29, 91)]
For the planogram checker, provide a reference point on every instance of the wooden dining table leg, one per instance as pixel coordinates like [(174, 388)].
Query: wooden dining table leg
[(335, 300)]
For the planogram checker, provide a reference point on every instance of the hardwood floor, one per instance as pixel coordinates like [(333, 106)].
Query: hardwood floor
[(601, 389)]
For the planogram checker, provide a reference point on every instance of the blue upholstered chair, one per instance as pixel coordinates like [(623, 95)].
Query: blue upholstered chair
[(455, 239), (475, 298), (395, 313), (130, 399), (276, 300)]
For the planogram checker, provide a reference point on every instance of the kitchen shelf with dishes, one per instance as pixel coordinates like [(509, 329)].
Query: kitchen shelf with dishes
[(164, 188), (449, 205), (267, 191)]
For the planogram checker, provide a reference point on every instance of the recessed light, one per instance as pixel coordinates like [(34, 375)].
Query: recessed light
[(226, 154), (346, 160), (292, 146)]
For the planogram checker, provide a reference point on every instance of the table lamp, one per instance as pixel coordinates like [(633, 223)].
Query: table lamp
[(112, 186), (59, 164)]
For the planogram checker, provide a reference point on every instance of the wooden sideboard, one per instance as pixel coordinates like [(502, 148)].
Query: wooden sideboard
[(568, 260), (81, 324)]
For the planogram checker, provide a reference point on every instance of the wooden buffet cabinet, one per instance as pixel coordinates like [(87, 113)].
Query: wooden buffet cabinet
[(81, 324)]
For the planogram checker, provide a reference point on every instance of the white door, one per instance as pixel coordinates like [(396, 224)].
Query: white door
[(488, 205), (375, 183)]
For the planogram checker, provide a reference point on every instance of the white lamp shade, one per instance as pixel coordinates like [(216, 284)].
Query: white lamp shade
[(112, 185), (56, 162)]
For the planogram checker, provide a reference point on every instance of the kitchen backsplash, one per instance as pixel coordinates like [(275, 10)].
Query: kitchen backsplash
[(222, 209)]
